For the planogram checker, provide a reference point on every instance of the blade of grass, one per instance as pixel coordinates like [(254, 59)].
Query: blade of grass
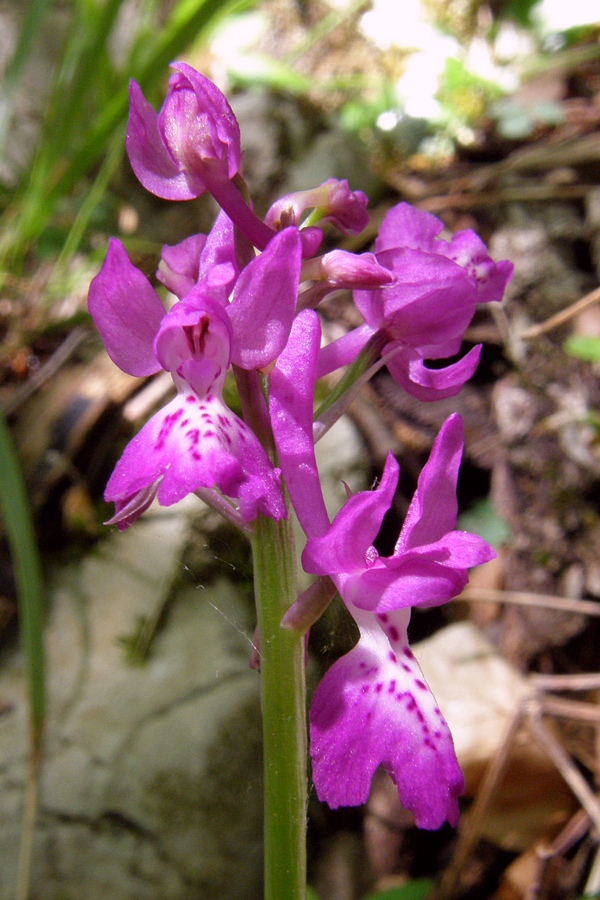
[(54, 177), (114, 155), (16, 513)]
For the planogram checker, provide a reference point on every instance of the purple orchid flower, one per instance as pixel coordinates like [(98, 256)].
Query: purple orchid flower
[(427, 309), (192, 146), (192, 143), (196, 441), (431, 559), (373, 706)]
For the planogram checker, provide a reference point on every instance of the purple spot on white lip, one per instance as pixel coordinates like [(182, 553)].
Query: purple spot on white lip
[(420, 684), (392, 657), (169, 421), (394, 633)]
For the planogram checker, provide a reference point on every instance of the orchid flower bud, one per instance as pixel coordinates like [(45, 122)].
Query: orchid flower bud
[(346, 209), (193, 142)]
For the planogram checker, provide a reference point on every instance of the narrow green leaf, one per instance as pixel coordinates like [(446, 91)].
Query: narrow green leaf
[(417, 889), (16, 512)]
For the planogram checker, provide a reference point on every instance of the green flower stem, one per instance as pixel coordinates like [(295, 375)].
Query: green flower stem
[(284, 712), (367, 357)]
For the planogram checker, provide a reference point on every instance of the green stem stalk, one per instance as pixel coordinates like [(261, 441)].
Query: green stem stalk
[(284, 712)]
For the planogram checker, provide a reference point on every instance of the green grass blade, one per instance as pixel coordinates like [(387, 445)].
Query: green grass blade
[(188, 21), (16, 512)]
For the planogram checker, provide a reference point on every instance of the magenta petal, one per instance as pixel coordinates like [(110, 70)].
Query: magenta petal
[(374, 708), (220, 249), (468, 250), (291, 405), (215, 127), (343, 351), (152, 163), (432, 301), (264, 302), (434, 508), (408, 370), (180, 265), (127, 312), (344, 548), (406, 226)]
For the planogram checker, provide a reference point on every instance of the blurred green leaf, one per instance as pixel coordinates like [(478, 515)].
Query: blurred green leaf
[(417, 889), (516, 120), (482, 519), (255, 69), (583, 347), (90, 87), (18, 524), (465, 95)]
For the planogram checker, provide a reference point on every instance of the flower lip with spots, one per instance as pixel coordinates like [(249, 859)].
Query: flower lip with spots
[(373, 707)]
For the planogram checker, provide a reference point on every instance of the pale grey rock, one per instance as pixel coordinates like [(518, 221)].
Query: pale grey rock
[(152, 779)]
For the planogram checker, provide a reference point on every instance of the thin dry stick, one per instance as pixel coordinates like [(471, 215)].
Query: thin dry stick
[(45, 372), (563, 316), (563, 763), (570, 709), (472, 829), (523, 598), (587, 682)]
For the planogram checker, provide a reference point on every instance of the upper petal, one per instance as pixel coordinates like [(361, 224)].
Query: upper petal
[(212, 129), (291, 400), (127, 312), (434, 507), (180, 264), (150, 159), (343, 549), (406, 226), (264, 302)]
